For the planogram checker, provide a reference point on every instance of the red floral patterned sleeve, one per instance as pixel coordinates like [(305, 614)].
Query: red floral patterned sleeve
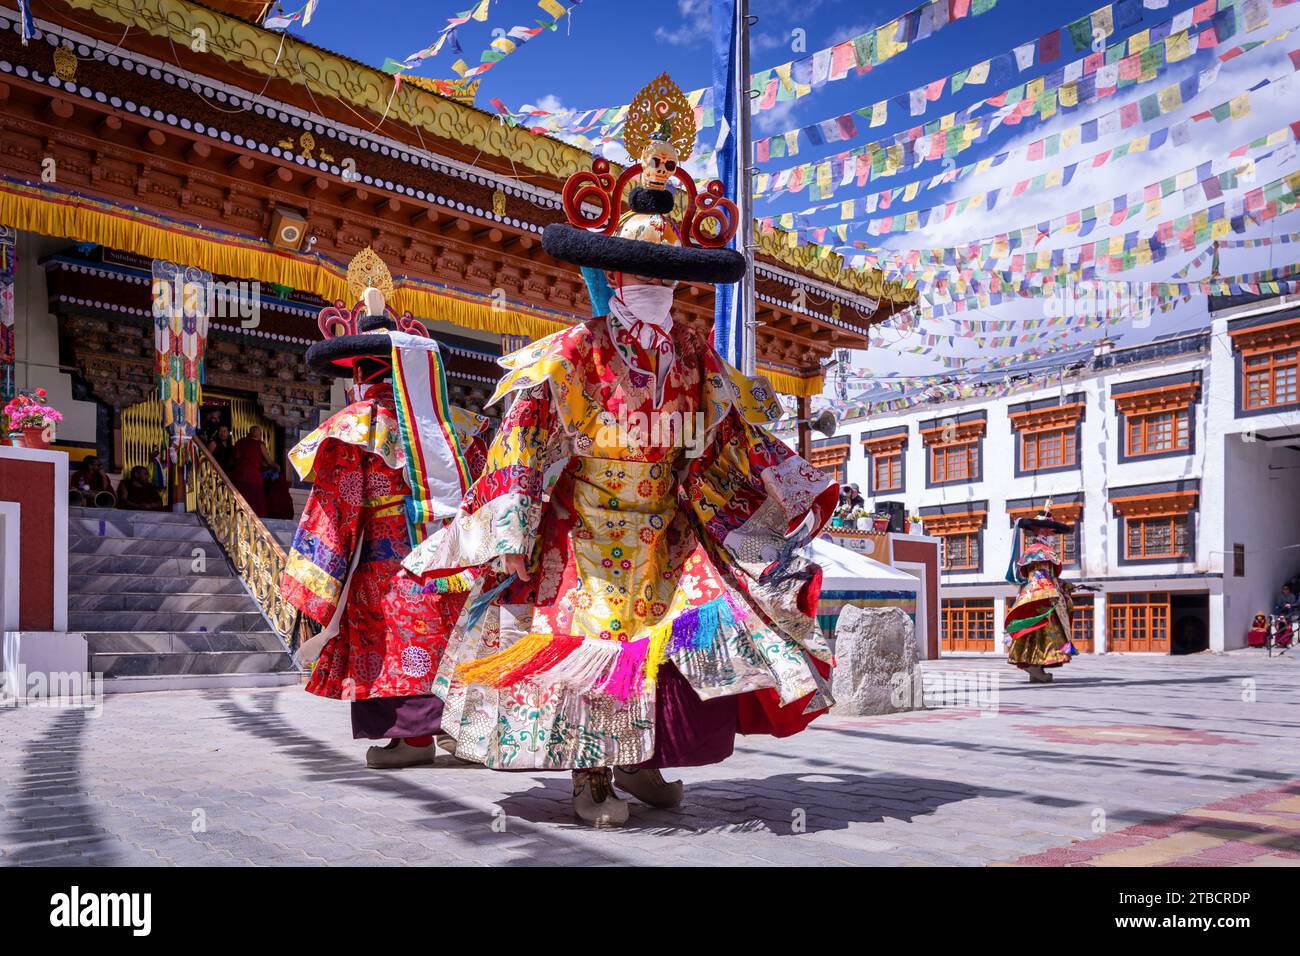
[(327, 534)]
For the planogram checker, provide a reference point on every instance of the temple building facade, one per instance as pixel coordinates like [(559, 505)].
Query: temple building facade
[(268, 176), (151, 148)]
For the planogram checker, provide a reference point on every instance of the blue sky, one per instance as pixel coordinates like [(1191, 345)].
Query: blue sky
[(613, 47)]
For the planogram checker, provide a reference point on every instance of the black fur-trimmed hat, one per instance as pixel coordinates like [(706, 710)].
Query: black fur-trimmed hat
[(643, 257), (338, 355)]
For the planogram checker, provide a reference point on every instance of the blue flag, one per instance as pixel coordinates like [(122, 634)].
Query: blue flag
[(727, 322), (29, 25)]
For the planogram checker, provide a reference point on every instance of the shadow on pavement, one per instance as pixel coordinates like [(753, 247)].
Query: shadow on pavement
[(56, 822), (780, 804), (470, 823)]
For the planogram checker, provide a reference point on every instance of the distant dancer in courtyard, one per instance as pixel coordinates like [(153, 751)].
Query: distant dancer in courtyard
[(1039, 621)]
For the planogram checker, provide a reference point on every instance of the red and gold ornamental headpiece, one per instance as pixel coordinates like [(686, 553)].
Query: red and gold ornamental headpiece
[(645, 241), (360, 332)]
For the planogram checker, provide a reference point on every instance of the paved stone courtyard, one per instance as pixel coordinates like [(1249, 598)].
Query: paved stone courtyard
[(1124, 760)]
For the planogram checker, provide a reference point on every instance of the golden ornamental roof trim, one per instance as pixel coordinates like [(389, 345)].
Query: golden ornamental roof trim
[(324, 72), (831, 269)]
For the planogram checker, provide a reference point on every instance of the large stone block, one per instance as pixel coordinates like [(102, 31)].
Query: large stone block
[(874, 653)]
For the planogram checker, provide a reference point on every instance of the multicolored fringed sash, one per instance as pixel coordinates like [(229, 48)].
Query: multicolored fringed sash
[(435, 465), (620, 669)]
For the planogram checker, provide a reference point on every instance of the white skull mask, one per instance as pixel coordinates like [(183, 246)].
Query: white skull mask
[(658, 164)]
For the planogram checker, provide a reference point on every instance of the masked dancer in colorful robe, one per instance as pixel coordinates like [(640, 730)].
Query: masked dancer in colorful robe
[(358, 525), (1039, 621), (650, 606)]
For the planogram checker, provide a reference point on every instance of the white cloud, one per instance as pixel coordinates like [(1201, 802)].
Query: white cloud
[(697, 25), (777, 119), (550, 103), (843, 33)]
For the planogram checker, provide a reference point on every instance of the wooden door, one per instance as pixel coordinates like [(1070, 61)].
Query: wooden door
[(967, 624), (1138, 623)]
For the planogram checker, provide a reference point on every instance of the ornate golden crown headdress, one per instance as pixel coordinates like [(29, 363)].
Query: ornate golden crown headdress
[(660, 113), (366, 271)]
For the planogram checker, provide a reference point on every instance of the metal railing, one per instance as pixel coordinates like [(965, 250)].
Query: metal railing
[(252, 550)]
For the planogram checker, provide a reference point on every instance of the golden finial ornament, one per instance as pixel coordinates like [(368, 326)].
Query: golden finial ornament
[(367, 270), (660, 113)]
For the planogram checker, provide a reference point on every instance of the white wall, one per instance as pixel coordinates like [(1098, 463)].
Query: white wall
[(36, 341), (1257, 472), (1262, 513)]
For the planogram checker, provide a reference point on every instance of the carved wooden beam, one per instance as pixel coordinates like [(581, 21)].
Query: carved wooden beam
[(58, 111)]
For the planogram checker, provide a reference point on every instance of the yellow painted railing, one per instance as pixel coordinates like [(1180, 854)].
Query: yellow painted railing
[(257, 557)]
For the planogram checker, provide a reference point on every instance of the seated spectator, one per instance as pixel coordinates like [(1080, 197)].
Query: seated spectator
[(90, 476), (90, 485), (1286, 600), (138, 493)]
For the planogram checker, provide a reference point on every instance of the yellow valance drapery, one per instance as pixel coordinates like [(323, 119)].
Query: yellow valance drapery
[(788, 384), (83, 219)]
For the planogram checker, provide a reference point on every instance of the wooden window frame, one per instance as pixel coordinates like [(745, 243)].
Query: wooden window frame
[(1139, 410), (893, 462), (1083, 635), (974, 542), (1066, 435), (965, 524), (967, 615), (1140, 424), (1140, 524), (1271, 370), (1157, 506), (1034, 426), (946, 441), (1265, 339), (968, 450)]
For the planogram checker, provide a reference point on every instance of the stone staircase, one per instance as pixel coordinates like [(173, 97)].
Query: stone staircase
[(161, 608), (283, 530)]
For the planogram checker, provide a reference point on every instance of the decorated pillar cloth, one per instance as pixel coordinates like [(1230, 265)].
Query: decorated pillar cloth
[(180, 335), (8, 268)]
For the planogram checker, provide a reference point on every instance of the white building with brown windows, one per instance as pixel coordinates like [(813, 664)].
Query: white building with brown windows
[(1177, 462)]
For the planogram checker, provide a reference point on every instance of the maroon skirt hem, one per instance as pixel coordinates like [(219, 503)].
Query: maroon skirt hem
[(381, 718), (690, 732)]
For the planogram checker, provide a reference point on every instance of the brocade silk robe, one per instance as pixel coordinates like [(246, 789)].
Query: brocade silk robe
[(649, 613)]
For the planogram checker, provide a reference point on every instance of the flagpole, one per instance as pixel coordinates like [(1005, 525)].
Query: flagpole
[(744, 204)]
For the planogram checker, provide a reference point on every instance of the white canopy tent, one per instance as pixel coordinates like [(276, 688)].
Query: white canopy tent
[(843, 569), (852, 578)]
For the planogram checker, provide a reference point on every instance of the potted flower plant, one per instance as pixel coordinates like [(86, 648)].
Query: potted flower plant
[(913, 521), (862, 518), (30, 421), (881, 521)]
